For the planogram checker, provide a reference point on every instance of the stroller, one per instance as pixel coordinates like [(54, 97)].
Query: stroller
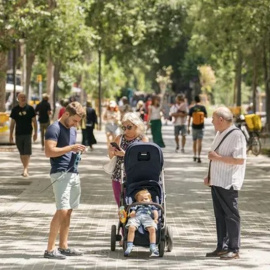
[(143, 165)]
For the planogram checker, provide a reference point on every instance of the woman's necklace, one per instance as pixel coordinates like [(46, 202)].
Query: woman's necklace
[(130, 138)]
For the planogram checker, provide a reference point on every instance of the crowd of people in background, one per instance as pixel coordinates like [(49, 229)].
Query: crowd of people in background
[(153, 110)]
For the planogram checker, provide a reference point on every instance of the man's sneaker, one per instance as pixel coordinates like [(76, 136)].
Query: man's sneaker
[(70, 252), (194, 159), (199, 160), (128, 251), (55, 254), (183, 150), (176, 149), (154, 253)]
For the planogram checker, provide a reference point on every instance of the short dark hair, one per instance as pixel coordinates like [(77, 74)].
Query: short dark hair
[(197, 99)]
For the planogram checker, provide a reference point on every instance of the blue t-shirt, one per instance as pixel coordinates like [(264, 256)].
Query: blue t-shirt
[(64, 137)]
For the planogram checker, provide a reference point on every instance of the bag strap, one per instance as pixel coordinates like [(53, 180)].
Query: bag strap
[(225, 137), (209, 168)]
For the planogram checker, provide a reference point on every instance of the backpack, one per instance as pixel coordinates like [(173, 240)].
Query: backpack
[(198, 118)]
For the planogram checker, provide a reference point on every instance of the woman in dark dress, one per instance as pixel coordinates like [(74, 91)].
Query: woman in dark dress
[(88, 129)]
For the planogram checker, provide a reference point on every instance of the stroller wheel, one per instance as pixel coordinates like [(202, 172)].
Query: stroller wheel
[(168, 237), (161, 248), (124, 245), (113, 237)]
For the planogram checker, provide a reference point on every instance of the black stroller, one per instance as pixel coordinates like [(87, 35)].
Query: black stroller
[(143, 165)]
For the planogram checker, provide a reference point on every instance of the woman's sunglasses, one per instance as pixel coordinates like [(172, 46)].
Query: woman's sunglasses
[(127, 127)]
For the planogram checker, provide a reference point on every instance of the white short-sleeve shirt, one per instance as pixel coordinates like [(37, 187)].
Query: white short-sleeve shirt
[(180, 120), (228, 175)]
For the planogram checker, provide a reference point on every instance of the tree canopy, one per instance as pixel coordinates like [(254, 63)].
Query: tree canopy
[(137, 39)]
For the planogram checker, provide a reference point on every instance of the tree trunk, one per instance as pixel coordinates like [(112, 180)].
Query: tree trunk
[(238, 78), (267, 86), (30, 58), (254, 83), (3, 78), (56, 76), (50, 80)]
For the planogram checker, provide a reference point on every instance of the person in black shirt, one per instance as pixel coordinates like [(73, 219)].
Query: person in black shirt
[(197, 113), (43, 110), (23, 116), (88, 126)]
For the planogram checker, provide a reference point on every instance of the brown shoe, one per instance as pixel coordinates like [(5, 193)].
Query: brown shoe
[(216, 253), (230, 256)]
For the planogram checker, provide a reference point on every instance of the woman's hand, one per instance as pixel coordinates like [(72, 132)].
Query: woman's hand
[(118, 153)]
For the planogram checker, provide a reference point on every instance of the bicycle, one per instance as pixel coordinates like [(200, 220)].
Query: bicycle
[(252, 137)]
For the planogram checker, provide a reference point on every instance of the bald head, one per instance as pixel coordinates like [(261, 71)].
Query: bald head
[(225, 113), (222, 118), (22, 99)]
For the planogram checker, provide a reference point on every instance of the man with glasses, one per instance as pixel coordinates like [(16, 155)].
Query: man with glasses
[(23, 117), (61, 147)]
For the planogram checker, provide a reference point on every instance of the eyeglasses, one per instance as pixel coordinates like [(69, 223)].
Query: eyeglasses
[(127, 127)]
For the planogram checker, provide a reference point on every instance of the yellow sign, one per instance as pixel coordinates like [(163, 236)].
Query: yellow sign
[(39, 78)]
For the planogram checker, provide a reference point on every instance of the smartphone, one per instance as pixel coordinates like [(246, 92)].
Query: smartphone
[(114, 144)]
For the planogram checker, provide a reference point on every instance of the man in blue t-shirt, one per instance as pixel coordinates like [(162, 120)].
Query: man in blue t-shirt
[(63, 151), (23, 118)]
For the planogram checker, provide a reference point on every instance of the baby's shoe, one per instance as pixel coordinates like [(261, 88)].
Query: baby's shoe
[(154, 253), (128, 250), (154, 250)]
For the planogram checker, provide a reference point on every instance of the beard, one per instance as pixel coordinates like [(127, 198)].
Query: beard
[(67, 123)]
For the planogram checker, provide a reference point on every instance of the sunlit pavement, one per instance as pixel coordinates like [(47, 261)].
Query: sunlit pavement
[(26, 213)]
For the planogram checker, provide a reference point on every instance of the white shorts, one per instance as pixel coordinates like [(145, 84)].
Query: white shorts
[(67, 190)]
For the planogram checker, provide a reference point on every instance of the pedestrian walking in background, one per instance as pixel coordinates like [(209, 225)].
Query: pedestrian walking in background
[(179, 112), (148, 103), (132, 131), (64, 104), (43, 110), (23, 118), (61, 148), (125, 107), (88, 126), (140, 109), (112, 120), (154, 121), (197, 113), (166, 111), (226, 175)]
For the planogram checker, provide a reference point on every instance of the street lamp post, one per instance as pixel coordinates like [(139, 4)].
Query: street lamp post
[(14, 72), (99, 89)]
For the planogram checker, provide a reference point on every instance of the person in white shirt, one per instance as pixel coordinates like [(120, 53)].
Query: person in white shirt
[(179, 113), (226, 176)]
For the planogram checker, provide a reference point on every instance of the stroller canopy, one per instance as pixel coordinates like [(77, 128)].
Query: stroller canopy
[(143, 161)]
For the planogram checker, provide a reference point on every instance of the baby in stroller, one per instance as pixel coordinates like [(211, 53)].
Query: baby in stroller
[(142, 215)]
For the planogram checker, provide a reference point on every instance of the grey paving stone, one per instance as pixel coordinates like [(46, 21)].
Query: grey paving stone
[(26, 213)]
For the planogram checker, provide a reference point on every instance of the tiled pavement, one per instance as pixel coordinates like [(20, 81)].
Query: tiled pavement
[(26, 212)]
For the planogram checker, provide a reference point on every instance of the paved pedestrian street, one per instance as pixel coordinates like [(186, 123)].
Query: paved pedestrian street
[(26, 211)]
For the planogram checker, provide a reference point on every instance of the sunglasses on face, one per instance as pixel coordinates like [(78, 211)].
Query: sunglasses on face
[(127, 127)]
